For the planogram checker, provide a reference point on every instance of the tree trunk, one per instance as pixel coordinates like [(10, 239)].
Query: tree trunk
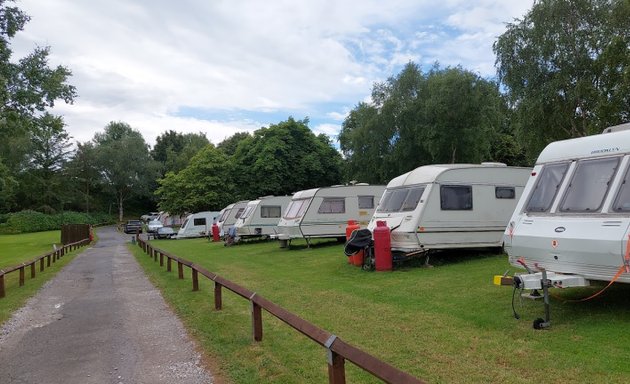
[(120, 207)]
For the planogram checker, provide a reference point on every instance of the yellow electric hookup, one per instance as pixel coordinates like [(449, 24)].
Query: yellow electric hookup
[(502, 280)]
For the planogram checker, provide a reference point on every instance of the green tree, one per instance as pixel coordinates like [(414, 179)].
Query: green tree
[(124, 162), (203, 185), (28, 87), (173, 150), (444, 116), (284, 158), (42, 184), (229, 145), (83, 170), (566, 69)]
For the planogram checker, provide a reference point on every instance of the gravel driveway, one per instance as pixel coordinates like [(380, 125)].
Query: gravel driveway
[(98, 321)]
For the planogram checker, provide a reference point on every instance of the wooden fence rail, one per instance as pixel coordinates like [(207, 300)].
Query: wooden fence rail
[(54, 255), (337, 350)]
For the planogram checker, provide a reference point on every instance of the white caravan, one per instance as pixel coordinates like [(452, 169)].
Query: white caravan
[(324, 212), (229, 215), (261, 217), (446, 206), (197, 225), (573, 218)]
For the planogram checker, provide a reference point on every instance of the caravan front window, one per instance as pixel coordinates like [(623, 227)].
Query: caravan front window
[(622, 202), (224, 215), (401, 199), (296, 208), (239, 213), (546, 187), (248, 211), (589, 185), (413, 197)]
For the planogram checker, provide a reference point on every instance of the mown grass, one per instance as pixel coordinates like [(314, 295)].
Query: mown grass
[(15, 249), (443, 324)]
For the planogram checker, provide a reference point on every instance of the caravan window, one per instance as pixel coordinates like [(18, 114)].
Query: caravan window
[(296, 208), (239, 213), (270, 211), (248, 211), (589, 185), (456, 197), (333, 205), (393, 200), (622, 202), (546, 187), (413, 197), (199, 221), (366, 202), (224, 215), (401, 199), (505, 192)]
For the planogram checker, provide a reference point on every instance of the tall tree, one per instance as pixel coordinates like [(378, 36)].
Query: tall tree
[(203, 185), (444, 116), (229, 145), (42, 184), (28, 87), (83, 168), (173, 150), (284, 158), (124, 162), (566, 69)]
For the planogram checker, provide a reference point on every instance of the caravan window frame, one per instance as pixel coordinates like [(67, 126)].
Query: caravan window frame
[(199, 220), (545, 169), (268, 211), (332, 206), (239, 212), (465, 204), (582, 183), (623, 191), (498, 192), (224, 216), (406, 206), (402, 195)]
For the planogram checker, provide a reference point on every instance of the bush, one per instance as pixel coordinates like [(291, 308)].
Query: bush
[(33, 221)]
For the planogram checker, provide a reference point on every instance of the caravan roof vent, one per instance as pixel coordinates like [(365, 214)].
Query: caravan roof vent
[(362, 184), (265, 197), (493, 164), (617, 128)]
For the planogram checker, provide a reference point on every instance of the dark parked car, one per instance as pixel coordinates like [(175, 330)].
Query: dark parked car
[(133, 226)]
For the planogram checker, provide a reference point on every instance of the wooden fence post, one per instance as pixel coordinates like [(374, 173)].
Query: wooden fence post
[(336, 368), (218, 301), (33, 270), (195, 279), (180, 269), (41, 264), (161, 259), (21, 276), (1, 284), (168, 264), (55, 255), (257, 329), (155, 253), (48, 260)]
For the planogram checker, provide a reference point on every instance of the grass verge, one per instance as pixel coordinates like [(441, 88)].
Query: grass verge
[(442, 324), (15, 249)]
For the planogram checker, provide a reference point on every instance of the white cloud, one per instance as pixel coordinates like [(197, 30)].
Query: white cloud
[(142, 61)]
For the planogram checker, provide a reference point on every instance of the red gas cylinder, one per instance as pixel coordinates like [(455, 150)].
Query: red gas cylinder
[(382, 247), (215, 232), (357, 258)]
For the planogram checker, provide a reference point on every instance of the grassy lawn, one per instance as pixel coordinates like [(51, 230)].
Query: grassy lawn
[(443, 324), (15, 249)]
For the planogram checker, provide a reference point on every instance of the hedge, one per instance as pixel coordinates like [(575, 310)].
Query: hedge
[(33, 221)]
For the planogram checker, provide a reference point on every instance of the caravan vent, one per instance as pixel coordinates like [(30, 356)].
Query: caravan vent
[(617, 128), (362, 184), (493, 164), (265, 197)]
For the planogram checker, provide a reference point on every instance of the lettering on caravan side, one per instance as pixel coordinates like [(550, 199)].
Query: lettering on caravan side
[(604, 150)]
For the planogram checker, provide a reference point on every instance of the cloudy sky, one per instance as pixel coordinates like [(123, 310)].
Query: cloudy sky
[(224, 66)]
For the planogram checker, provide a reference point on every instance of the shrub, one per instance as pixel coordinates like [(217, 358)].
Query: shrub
[(33, 221)]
